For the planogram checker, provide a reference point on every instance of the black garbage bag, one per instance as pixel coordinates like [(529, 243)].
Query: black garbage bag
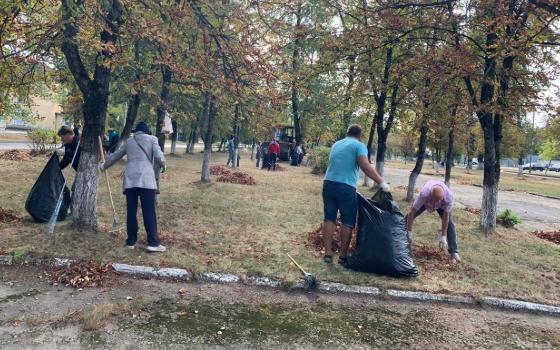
[(383, 244), (43, 196)]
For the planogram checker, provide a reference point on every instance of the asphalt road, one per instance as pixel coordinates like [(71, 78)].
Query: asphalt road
[(537, 213)]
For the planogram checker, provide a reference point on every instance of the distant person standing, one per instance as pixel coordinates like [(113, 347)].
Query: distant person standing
[(231, 150), (299, 153), (259, 155), (436, 196), (347, 156), (273, 154)]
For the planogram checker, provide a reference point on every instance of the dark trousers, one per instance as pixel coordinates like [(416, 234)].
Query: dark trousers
[(258, 162), (272, 161), (451, 233), (148, 202)]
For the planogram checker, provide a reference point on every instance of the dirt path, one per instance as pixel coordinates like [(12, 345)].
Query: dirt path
[(538, 213), (151, 314)]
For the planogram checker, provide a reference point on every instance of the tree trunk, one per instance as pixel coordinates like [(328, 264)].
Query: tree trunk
[(491, 178), (209, 114), (95, 93), (420, 155), (449, 157), (221, 146), (253, 143), (133, 101), (236, 117), (347, 109), (295, 71), (131, 114), (162, 108), (174, 136)]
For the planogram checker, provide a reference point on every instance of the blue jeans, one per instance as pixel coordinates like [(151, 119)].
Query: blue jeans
[(148, 202), (272, 161), (451, 232), (340, 197)]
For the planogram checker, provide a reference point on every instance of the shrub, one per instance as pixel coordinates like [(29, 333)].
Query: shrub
[(508, 218), (42, 140), (319, 160)]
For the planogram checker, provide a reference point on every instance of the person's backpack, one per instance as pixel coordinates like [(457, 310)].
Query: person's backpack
[(383, 242), (42, 198)]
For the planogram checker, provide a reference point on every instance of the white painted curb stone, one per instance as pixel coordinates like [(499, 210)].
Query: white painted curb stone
[(166, 272), (219, 277), (425, 296)]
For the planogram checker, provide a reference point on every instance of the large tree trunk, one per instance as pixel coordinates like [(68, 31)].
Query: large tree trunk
[(209, 114), (420, 155), (95, 93), (491, 178), (162, 108)]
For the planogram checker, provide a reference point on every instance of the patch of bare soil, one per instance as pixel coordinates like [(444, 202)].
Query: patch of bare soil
[(552, 236), (82, 274), (7, 216), (315, 239), (16, 155), (233, 177)]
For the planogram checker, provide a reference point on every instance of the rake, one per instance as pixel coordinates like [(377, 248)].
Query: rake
[(116, 227), (309, 280), (54, 217)]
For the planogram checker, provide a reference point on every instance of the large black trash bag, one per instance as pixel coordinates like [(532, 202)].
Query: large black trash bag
[(383, 244), (43, 196)]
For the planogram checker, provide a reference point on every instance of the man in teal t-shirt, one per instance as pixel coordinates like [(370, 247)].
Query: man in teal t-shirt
[(346, 158)]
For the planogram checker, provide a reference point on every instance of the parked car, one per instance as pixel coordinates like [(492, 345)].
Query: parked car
[(534, 166), (554, 167)]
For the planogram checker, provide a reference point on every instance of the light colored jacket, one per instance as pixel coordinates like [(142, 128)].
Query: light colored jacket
[(139, 170)]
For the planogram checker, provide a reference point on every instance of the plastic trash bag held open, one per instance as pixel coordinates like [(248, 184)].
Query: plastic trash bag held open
[(383, 243), (43, 196)]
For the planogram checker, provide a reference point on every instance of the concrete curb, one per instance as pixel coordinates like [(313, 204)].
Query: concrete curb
[(327, 287)]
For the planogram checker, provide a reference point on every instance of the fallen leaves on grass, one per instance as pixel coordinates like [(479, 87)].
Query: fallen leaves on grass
[(8, 216), (473, 210), (16, 155), (81, 274), (552, 236), (280, 168), (219, 170), (239, 178), (315, 239), (430, 258), (233, 177)]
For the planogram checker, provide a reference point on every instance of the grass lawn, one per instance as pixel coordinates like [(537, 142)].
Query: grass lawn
[(509, 181), (249, 229)]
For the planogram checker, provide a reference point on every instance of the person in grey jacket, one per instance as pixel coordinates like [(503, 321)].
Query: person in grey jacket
[(142, 151)]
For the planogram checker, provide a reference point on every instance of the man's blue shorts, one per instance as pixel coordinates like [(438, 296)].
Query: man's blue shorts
[(338, 196)]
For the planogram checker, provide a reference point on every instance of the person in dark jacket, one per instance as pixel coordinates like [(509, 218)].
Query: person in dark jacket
[(70, 141)]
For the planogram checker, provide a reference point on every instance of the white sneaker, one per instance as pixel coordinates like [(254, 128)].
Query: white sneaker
[(158, 249), (131, 247), (456, 257)]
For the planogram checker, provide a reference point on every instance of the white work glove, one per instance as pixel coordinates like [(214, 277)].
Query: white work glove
[(101, 166), (60, 152), (384, 187), (442, 242)]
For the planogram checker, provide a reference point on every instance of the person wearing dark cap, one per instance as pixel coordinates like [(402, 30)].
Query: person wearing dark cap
[(70, 141), (142, 152)]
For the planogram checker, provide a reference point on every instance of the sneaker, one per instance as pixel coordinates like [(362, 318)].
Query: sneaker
[(456, 257), (131, 247), (158, 249)]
